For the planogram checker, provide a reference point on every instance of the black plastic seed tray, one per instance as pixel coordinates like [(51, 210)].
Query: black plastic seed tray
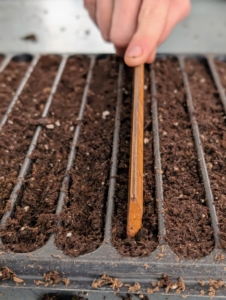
[(81, 271)]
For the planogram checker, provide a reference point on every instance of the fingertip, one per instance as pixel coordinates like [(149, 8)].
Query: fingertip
[(152, 57), (135, 56), (139, 50), (133, 62)]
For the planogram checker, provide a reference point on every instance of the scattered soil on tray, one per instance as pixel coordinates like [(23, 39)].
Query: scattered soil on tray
[(211, 120), (146, 240), (106, 280), (187, 219), (8, 274), (52, 278), (33, 219), (82, 218), (10, 79), (17, 133)]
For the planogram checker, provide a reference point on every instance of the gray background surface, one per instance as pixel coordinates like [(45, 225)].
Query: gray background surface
[(64, 26)]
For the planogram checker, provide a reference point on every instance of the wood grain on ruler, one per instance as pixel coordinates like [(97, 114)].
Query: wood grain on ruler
[(135, 196)]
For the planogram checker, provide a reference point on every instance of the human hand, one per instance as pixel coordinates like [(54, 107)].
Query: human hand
[(137, 27)]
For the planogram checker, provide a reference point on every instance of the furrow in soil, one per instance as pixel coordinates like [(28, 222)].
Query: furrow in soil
[(187, 218), (83, 217), (146, 240), (33, 220), (9, 82), (211, 120), (17, 133)]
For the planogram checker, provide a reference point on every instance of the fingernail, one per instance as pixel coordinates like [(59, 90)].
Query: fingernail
[(135, 52)]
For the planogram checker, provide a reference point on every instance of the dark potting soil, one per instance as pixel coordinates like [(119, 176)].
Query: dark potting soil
[(211, 120), (10, 78), (16, 135), (83, 217), (34, 216), (146, 240), (187, 219)]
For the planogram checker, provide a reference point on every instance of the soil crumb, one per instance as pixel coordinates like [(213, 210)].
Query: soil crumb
[(52, 278), (166, 282), (114, 283), (6, 274)]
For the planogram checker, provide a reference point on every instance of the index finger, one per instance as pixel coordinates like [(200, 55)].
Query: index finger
[(151, 23)]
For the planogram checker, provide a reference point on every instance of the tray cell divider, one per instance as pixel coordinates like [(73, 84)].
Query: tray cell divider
[(72, 153), (157, 160), (217, 80), (5, 62), (19, 89), (114, 158), (27, 161), (200, 152)]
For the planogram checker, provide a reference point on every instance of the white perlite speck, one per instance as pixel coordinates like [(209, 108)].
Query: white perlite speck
[(69, 234), (49, 126), (105, 114), (57, 123), (26, 208), (146, 140)]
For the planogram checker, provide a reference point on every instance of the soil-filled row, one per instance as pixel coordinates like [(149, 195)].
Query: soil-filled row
[(211, 120), (83, 217), (187, 219), (146, 240), (81, 223), (34, 217), (10, 78), (16, 135)]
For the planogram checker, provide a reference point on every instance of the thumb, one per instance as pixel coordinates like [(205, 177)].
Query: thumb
[(151, 23)]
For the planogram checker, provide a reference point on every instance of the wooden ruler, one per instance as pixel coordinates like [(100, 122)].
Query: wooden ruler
[(135, 196)]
